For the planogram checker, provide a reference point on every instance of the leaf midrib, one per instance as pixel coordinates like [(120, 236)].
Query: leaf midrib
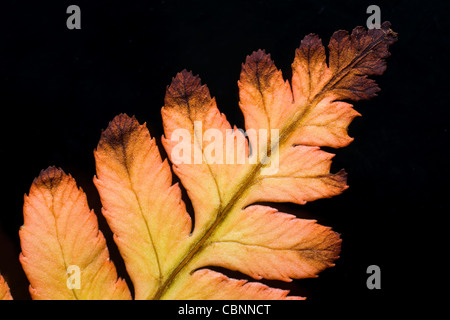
[(141, 210), (289, 128), (58, 237)]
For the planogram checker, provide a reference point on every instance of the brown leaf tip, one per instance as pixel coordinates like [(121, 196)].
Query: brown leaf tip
[(259, 69), (386, 27), (184, 85), (50, 178), (341, 176), (257, 56), (119, 130), (186, 93), (310, 41), (261, 62), (341, 179)]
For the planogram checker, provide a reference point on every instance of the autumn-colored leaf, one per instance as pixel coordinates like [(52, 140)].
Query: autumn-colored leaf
[(187, 102), (145, 211), (5, 294), (306, 118), (227, 174), (60, 236)]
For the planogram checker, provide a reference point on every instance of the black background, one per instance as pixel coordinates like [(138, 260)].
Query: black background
[(60, 88)]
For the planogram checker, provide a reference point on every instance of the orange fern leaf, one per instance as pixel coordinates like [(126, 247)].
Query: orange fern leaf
[(226, 172), (143, 208), (60, 236), (306, 117)]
